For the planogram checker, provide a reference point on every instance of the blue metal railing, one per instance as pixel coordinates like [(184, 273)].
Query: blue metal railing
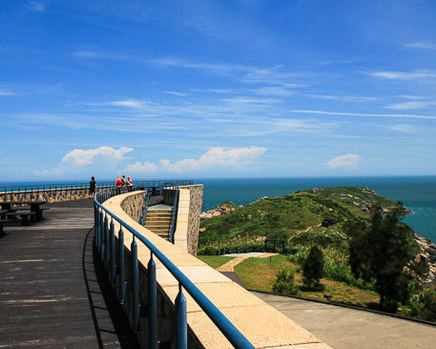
[(106, 246), (85, 185)]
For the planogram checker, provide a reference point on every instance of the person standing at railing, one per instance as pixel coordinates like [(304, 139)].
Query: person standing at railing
[(129, 183), (119, 182), (124, 180), (92, 186)]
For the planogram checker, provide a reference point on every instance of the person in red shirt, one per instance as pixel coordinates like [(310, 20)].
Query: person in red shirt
[(119, 182)]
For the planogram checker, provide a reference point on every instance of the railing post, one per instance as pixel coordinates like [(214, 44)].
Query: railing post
[(135, 285), (97, 226), (112, 256), (101, 229), (152, 304), (106, 243), (103, 237), (181, 322), (122, 282)]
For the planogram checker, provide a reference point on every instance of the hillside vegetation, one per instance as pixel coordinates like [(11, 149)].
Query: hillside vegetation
[(316, 215), (337, 221)]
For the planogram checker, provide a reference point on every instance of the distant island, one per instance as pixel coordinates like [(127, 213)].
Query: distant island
[(291, 224)]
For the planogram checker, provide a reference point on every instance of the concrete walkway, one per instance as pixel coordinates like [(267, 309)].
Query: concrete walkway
[(344, 328)]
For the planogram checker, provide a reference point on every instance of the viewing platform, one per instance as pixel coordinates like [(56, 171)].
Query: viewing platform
[(63, 287)]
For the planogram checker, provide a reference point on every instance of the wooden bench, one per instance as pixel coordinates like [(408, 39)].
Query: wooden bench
[(26, 216)]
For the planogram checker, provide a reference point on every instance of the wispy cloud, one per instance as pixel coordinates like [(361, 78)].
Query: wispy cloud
[(217, 157), (413, 97), (280, 91), (376, 115), (411, 105), (4, 92), (174, 93), (398, 75), (402, 128), (343, 98), (350, 161), (429, 45), (36, 6)]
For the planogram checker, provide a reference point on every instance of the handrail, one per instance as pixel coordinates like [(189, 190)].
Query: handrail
[(82, 185), (103, 237)]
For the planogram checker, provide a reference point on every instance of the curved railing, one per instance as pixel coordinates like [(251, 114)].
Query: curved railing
[(85, 185), (114, 264)]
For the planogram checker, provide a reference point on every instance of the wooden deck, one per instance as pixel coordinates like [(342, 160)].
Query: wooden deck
[(53, 292)]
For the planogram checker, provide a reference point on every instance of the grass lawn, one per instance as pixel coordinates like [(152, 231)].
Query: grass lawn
[(260, 273), (215, 261)]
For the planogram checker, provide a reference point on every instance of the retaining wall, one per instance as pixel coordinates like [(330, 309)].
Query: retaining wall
[(188, 214), (49, 195)]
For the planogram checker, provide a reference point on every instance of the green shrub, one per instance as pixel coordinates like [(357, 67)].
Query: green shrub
[(284, 283), (208, 250), (423, 304), (313, 268)]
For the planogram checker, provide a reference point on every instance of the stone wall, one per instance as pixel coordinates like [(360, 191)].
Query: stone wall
[(132, 204), (49, 195), (196, 201)]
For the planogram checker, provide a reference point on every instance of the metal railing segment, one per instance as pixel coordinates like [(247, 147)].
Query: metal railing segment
[(115, 264), (85, 185)]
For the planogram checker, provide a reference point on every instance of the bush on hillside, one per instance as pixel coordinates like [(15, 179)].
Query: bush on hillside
[(284, 283), (313, 268)]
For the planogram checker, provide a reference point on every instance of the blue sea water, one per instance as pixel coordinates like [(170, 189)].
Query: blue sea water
[(416, 193)]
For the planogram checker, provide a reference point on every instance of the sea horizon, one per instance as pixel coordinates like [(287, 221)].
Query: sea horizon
[(418, 193)]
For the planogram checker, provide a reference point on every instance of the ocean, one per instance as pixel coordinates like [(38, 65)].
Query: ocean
[(417, 193)]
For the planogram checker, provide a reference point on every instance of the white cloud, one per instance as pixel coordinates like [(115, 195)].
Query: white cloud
[(141, 168), (82, 157), (4, 92), (180, 94), (324, 112), (343, 98), (36, 6), (213, 158), (413, 97), (126, 103), (411, 105), (398, 75), (348, 161), (274, 91), (403, 128), (422, 44)]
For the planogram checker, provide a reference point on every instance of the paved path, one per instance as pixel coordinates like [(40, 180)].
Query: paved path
[(53, 293), (240, 257), (344, 328)]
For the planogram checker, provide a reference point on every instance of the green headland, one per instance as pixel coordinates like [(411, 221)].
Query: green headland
[(293, 224)]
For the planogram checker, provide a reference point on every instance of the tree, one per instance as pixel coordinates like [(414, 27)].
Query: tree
[(313, 267), (381, 251)]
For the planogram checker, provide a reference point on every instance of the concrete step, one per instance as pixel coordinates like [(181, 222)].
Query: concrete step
[(158, 219)]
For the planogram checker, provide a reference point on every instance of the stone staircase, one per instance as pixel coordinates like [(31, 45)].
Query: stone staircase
[(158, 220)]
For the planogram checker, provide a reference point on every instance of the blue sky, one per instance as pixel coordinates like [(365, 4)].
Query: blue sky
[(194, 89)]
